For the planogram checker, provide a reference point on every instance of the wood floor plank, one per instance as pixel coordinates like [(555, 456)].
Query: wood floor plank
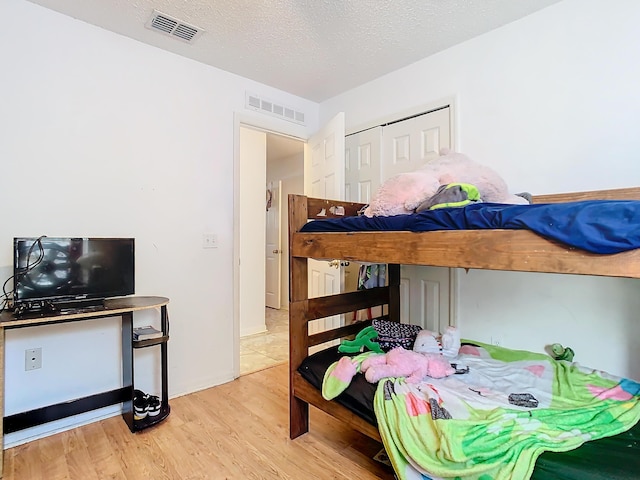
[(267, 442), (26, 463), (223, 440), (53, 455), (191, 453), (238, 430), (101, 452), (78, 462)]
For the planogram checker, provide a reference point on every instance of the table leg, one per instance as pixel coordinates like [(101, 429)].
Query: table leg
[(1, 400)]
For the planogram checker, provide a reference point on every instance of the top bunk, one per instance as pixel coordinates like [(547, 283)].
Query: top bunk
[(490, 249)]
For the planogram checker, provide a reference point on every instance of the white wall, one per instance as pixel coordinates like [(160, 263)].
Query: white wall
[(252, 230), (552, 103), (101, 135)]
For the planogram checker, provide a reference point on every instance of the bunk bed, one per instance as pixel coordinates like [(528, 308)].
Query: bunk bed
[(493, 249)]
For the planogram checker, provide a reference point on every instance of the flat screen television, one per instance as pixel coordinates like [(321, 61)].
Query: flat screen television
[(55, 271)]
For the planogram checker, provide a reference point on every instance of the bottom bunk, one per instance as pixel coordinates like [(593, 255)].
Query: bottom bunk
[(613, 457)]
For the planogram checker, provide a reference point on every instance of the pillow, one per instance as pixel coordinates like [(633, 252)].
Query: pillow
[(395, 334)]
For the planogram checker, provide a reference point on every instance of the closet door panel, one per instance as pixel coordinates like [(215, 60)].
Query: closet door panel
[(362, 174), (409, 144), (426, 299), (433, 134), (362, 164)]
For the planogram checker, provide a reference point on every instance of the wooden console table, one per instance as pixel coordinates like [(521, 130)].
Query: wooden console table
[(124, 307)]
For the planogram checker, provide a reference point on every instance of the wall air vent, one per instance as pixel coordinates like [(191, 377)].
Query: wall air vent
[(161, 22), (263, 105)]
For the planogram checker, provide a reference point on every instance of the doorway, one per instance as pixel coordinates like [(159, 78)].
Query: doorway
[(264, 343)]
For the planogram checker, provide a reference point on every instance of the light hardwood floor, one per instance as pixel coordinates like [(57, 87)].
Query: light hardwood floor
[(239, 430)]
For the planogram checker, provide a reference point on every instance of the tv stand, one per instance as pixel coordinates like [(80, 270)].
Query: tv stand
[(123, 307), (79, 304)]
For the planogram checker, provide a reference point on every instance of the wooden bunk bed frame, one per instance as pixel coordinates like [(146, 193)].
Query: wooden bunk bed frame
[(514, 250)]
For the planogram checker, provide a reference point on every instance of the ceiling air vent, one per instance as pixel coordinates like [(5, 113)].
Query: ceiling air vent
[(263, 105), (173, 27)]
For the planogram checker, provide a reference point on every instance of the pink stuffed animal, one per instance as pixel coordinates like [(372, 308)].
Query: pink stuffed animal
[(403, 193), (405, 363)]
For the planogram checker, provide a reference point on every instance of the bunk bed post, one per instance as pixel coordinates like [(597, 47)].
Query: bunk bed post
[(298, 330), (393, 270)]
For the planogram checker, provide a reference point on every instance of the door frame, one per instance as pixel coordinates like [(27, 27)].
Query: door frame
[(268, 125)]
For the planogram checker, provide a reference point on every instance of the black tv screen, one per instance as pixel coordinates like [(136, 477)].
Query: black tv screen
[(72, 269)]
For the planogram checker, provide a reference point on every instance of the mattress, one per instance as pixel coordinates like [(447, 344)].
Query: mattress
[(597, 226), (611, 458)]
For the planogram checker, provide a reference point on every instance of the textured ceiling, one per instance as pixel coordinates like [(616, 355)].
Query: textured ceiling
[(315, 49)]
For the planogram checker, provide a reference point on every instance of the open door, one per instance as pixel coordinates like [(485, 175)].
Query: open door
[(324, 177), (273, 250)]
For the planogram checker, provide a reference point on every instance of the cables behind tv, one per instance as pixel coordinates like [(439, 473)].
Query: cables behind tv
[(6, 296), (19, 274)]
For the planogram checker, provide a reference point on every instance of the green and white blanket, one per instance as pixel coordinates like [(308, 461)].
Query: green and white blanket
[(493, 422)]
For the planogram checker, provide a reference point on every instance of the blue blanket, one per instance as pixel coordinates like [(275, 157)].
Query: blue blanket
[(598, 226)]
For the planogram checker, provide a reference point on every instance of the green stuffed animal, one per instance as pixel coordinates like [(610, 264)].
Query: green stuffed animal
[(451, 195), (364, 340), (562, 353)]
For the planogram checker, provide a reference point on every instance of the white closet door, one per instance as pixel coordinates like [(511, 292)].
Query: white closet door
[(428, 296), (425, 292), (362, 164), (409, 144), (362, 174)]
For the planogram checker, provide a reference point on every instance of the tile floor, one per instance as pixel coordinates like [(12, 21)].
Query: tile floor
[(264, 350)]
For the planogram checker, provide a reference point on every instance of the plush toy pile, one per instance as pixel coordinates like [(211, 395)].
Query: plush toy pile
[(431, 356), (412, 365), (405, 192)]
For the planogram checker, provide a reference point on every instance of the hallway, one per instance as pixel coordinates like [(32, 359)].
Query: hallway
[(264, 350)]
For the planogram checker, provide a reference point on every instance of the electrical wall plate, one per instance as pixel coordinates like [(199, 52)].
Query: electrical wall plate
[(209, 240), (32, 359)]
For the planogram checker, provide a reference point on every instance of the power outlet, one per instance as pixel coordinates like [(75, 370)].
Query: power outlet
[(32, 359), (209, 240)]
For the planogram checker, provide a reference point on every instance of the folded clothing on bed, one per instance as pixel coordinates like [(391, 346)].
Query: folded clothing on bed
[(598, 226)]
